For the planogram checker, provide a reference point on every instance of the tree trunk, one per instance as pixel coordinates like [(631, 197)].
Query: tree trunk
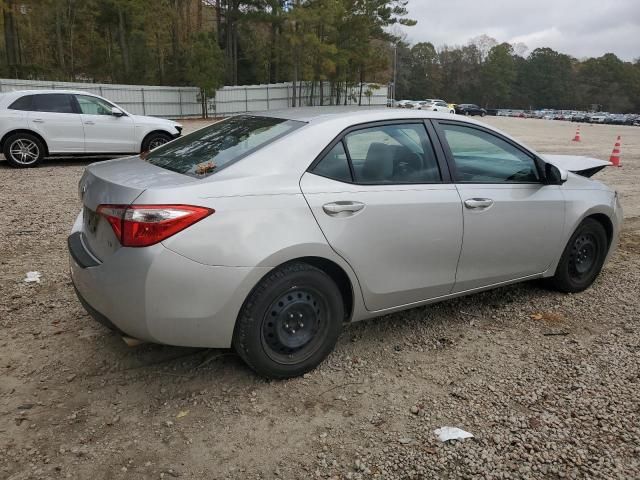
[(361, 82), (295, 80), (59, 41), (321, 93), (10, 34), (219, 23), (122, 38)]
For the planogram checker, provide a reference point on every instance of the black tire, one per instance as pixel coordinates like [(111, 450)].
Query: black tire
[(23, 150), (265, 335), (154, 140), (467, 113), (582, 258), (482, 114)]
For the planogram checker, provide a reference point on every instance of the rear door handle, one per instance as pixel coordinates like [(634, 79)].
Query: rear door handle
[(37, 120), (89, 122), (478, 203), (342, 208)]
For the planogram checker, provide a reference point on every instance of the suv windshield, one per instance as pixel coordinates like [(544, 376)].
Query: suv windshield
[(212, 148)]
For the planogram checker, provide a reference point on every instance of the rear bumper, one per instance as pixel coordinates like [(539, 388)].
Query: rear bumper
[(159, 296)]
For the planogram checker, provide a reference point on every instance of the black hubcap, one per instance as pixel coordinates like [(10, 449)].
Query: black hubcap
[(584, 253), (294, 324)]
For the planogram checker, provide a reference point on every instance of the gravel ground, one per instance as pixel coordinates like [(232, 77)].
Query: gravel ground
[(547, 383)]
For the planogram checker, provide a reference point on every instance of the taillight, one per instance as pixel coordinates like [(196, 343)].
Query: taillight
[(145, 225)]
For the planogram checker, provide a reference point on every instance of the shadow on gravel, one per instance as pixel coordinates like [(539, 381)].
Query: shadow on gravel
[(61, 161)]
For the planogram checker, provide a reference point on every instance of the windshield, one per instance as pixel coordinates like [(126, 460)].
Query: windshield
[(210, 149)]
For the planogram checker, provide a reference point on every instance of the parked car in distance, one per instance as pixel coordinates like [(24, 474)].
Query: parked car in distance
[(402, 103), (437, 106), (268, 232), (600, 117), (35, 124), (470, 109)]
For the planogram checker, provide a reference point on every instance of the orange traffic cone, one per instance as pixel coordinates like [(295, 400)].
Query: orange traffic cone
[(615, 155), (577, 137)]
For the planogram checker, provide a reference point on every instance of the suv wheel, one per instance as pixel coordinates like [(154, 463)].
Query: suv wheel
[(154, 140), (23, 150), (290, 322)]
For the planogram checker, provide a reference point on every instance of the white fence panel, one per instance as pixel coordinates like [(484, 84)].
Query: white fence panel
[(180, 102)]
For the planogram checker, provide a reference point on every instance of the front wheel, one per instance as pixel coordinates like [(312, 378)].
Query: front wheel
[(23, 150), (582, 258), (482, 114), (154, 140), (290, 322)]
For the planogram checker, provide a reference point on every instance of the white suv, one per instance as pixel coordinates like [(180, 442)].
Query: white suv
[(38, 123)]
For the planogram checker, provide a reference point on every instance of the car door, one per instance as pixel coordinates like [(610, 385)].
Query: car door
[(513, 221), (105, 132), (385, 204), (54, 117)]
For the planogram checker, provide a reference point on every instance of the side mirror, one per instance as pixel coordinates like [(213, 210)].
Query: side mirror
[(554, 175), (116, 112)]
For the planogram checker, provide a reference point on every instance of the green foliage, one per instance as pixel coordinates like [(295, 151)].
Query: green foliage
[(497, 75), (331, 45), (204, 62)]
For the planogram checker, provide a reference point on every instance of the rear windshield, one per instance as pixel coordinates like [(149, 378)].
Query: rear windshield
[(210, 149)]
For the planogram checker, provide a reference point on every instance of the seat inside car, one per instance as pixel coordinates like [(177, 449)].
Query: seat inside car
[(378, 164)]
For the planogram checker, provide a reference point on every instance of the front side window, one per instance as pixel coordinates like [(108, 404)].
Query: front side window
[(94, 106), (53, 102), (208, 150), (481, 157), (392, 154)]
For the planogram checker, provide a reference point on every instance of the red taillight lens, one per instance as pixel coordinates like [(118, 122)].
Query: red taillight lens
[(145, 225)]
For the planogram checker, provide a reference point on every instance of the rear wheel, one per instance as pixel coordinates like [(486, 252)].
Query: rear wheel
[(482, 114), (24, 150), (290, 322), (154, 140), (582, 258)]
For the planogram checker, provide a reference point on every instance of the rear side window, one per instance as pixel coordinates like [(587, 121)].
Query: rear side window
[(23, 103), (335, 165), (53, 102), (212, 148), (393, 154)]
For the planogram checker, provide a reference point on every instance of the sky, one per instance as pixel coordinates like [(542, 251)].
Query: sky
[(581, 28)]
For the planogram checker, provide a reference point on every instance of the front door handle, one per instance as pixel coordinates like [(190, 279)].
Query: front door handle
[(37, 120), (478, 203), (89, 122), (342, 209)]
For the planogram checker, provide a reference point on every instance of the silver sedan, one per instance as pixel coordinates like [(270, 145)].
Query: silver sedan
[(268, 232)]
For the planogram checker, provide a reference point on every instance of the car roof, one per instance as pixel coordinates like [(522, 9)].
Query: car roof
[(46, 91), (354, 114)]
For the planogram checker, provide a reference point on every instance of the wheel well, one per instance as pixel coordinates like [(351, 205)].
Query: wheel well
[(22, 130), (338, 275), (164, 132), (605, 221)]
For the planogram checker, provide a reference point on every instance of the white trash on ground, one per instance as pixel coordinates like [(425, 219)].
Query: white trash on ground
[(445, 434), (33, 277)]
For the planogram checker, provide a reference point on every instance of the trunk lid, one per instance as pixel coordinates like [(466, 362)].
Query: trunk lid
[(117, 182), (585, 166)]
